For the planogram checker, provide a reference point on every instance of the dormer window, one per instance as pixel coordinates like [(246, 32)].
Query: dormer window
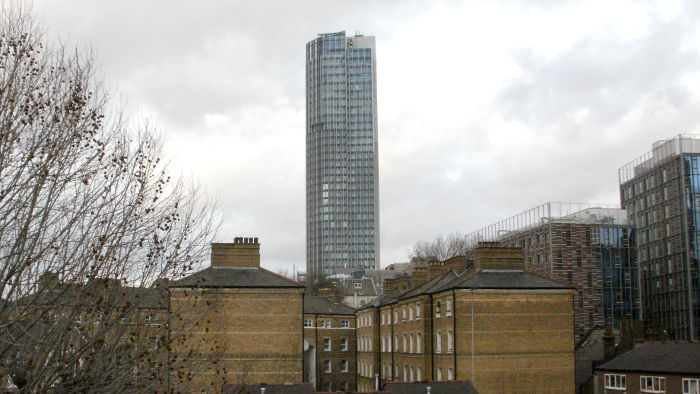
[(358, 285)]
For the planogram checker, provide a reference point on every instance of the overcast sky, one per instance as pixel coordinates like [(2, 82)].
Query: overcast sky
[(486, 108)]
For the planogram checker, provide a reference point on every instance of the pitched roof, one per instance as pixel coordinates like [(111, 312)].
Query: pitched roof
[(347, 287), (235, 277), (508, 279), (669, 358), (324, 306), (456, 387)]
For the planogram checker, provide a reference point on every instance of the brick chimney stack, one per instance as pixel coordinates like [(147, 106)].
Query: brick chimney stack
[(243, 252)]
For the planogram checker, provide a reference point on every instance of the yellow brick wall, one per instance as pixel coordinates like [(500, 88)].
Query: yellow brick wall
[(235, 336)]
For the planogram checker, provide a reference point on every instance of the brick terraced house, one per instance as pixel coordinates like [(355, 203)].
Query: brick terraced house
[(484, 320), (329, 344), (241, 323)]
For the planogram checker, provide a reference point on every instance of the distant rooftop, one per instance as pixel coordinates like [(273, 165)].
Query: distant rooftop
[(660, 151), (669, 358), (549, 212)]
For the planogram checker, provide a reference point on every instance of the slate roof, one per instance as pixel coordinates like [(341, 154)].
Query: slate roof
[(455, 387), (508, 279), (235, 277), (347, 287), (667, 358), (324, 306)]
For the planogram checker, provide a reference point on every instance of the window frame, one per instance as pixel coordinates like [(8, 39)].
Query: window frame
[(327, 366), (345, 324), (310, 325), (344, 344), (686, 385), (327, 344), (610, 381), (660, 380)]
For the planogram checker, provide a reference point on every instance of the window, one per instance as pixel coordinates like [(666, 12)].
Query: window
[(403, 314), (396, 317), (652, 384), (325, 323), (417, 311), (410, 344), (343, 365), (396, 371), (345, 323), (343, 344), (437, 309), (388, 343), (396, 343), (418, 377), (412, 375), (450, 374), (449, 341), (448, 308), (383, 318), (614, 381), (418, 343), (405, 374), (327, 367), (358, 285), (410, 312), (326, 344), (439, 374), (404, 343), (438, 343), (308, 323), (691, 386)]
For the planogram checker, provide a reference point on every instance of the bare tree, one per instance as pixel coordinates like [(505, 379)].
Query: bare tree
[(91, 226), (441, 248)]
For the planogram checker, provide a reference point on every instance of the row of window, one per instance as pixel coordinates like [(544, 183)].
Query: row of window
[(413, 374), (413, 312), (649, 384), (328, 345), (413, 343), (325, 323), (328, 366)]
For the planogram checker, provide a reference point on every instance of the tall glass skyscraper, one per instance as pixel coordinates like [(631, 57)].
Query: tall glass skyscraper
[(342, 194)]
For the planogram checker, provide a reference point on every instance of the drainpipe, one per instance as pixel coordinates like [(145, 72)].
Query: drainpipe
[(303, 356), (377, 322), (432, 353), (472, 299), (454, 335), (356, 361), (391, 340)]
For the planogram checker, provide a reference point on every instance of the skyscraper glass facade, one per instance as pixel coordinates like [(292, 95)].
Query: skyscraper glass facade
[(342, 204), (620, 275), (661, 191)]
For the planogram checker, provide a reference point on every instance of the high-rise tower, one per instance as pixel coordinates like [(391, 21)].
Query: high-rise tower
[(661, 192), (342, 194)]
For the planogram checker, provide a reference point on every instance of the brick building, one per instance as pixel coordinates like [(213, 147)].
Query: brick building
[(661, 192), (486, 320), (239, 323), (652, 368), (329, 343)]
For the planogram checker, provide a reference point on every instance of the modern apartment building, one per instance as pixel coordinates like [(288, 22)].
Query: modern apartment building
[(591, 248), (342, 194), (661, 192)]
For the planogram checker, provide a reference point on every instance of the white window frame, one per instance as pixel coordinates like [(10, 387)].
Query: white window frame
[(418, 377), (450, 374), (327, 366), (410, 343), (438, 342), (310, 323), (418, 343), (418, 311), (403, 314), (345, 324), (450, 342), (686, 386), (404, 348), (325, 323), (344, 366), (448, 307), (656, 384), (405, 373), (327, 344), (343, 344), (439, 374), (396, 317), (358, 285), (614, 381), (411, 374), (410, 312), (438, 305), (388, 343)]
